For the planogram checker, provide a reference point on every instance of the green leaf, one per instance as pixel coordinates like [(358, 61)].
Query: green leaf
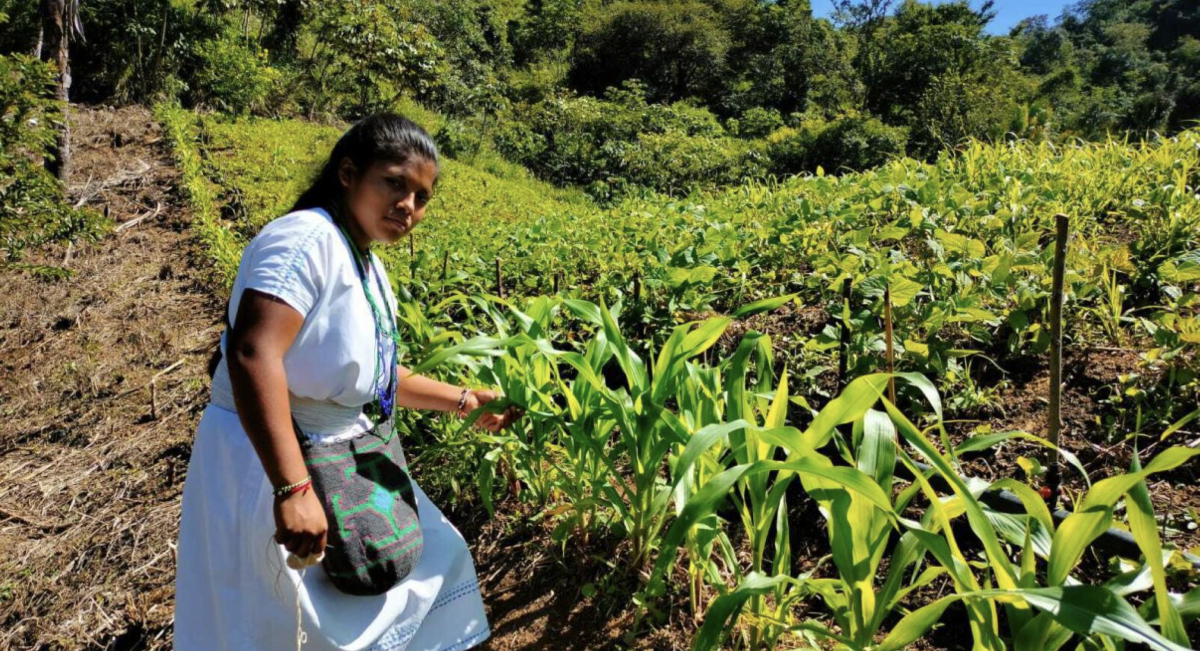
[(1094, 513), (858, 396), (915, 624), (1180, 424), (1145, 530), (903, 290), (877, 452), (727, 606), (1090, 610), (765, 305), (475, 347), (713, 492)]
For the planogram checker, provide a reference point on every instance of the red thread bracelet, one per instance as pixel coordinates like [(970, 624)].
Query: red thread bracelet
[(288, 491)]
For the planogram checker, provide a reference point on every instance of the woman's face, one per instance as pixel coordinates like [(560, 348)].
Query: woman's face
[(387, 200)]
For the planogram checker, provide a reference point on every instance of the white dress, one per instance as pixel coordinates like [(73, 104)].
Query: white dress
[(233, 591)]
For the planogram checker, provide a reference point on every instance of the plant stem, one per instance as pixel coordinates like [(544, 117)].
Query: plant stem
[(844, 349)]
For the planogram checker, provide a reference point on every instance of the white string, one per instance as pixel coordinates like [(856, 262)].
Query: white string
[(302, 564), (301, 636)]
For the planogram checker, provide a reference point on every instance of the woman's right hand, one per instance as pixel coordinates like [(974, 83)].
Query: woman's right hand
[(300, 524)]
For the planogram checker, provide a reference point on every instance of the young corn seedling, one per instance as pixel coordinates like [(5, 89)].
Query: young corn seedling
[(1097, 613)]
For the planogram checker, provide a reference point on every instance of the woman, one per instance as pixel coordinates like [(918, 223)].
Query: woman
[(312, 342)]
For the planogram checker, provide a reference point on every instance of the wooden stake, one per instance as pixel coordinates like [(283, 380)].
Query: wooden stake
[(556, 275), (446, 265), (499, 280), (412, 246), (637, 288), (1054, 425), (887, 334), (844, 349)]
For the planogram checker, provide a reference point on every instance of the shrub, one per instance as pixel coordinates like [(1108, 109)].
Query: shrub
[(758, 122), (673, 161), (623, 140), (234, 75), (849, 143), (372, 54), (456, 140)]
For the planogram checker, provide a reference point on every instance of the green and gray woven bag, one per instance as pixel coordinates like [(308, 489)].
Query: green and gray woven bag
[(375, 537)]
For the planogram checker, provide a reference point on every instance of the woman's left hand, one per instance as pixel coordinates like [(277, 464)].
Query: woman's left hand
[(489, 421)]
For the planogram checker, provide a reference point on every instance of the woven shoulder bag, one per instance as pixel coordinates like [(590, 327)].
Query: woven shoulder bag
[(375, 538)]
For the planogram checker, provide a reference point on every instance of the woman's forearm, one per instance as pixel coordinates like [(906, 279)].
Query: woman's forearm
[(261, 394), (420, 392)]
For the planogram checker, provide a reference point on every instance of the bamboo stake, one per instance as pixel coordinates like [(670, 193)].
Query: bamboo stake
[(1054, 425), (887, 333), (844, 348), (499, 280)]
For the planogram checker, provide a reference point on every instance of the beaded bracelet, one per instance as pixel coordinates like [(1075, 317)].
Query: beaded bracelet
[(291, 489), (462, 402)]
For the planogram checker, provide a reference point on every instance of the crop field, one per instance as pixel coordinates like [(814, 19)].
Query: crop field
[(696, 372)]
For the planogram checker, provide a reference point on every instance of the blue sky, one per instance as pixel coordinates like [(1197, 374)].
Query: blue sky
[(1008, 12)]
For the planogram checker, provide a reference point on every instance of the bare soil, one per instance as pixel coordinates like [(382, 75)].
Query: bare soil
[(101, 386)]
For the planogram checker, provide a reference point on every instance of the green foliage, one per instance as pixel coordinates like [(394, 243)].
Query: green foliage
[(930, 68), (549, 26), (622, 140), (847, 143), (233, 75), (33, 208), (960, 242), (473, 38), (134, 50), (758, 122), (370, 53), (456, 140), (784, 59), (677, 49), (1132, 65)]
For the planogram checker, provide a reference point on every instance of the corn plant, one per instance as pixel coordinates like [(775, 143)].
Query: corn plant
[(1067, 607), (762, 506)]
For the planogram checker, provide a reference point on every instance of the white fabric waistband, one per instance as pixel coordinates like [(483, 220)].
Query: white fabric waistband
[(322, 421)]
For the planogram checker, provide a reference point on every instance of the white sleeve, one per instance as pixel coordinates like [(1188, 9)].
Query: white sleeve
[(288, 261)]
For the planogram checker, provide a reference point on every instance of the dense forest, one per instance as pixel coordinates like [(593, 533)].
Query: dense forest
[(659, 94)]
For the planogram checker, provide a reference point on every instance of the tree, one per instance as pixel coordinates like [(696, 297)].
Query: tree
[(857, 14), (289, 16), (677, 49), (935, 70), (59, 19), (787, 60), (369, 51)]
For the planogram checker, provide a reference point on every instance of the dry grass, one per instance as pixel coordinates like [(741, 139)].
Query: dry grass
[(101, 386)]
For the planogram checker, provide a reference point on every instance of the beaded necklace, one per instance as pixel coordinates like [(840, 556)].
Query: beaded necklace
[(386, 335)]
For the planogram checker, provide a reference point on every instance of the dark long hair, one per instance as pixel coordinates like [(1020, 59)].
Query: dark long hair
[(379, 137)]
